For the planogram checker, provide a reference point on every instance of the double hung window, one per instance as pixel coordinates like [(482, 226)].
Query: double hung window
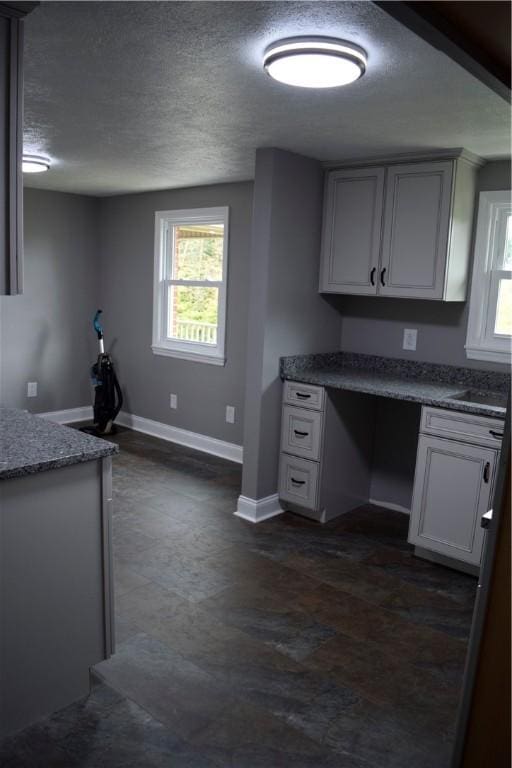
[(190, 284)]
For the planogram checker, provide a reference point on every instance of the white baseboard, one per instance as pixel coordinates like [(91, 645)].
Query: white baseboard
[(204, 443), (69, 415), (390, 505), (257, 510)]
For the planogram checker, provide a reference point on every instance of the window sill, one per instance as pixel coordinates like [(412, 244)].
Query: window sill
[(489, 355), (195, 357)]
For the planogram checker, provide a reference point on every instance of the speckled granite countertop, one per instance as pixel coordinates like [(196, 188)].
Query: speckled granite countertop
[(424, 383), (30, 444)]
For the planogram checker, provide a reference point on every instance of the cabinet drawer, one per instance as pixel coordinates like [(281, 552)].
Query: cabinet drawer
[(305, 395), (298, 481), (301, 432), (464, 427)]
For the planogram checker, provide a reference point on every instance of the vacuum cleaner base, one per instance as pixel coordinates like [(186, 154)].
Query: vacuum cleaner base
[(92, 430)]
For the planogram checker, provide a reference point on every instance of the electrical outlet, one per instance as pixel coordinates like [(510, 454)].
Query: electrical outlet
[(410, 338), (31, 388), (230, 414), (173, 401)]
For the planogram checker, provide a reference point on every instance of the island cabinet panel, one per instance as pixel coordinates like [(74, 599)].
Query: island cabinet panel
[(352, 230), (11, 125), (401, 229), (55, 588), (416, 230)]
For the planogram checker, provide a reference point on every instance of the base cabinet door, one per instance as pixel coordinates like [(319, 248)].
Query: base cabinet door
[(452, 490)]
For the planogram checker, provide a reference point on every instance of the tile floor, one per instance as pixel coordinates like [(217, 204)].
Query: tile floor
[(281, 645)]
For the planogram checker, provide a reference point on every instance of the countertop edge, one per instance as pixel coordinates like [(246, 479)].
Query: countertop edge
[(30, 444), (65, 461), (380, 391)]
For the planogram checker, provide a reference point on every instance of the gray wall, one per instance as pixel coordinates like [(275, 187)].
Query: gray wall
[(397, 425), (126, 226), (46, 334), (287, 315), (375, 325)]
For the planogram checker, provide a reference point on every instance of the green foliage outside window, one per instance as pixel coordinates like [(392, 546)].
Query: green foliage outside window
[(198, 255)]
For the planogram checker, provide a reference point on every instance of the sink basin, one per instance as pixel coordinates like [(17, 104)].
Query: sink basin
[(481, 397)]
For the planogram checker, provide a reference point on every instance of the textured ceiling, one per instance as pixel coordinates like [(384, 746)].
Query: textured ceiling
[(131, 96)]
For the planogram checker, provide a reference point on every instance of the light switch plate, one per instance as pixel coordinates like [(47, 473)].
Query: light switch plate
[(410, 338), (230, 414), (31, 388), (173, 401)]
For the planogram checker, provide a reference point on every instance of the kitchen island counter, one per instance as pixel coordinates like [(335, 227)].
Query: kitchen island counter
[(56, 579), (31, 444)]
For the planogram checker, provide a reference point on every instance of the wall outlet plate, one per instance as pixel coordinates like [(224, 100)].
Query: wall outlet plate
[(410, 338), (230, 414), (31, 388), (173, 402)]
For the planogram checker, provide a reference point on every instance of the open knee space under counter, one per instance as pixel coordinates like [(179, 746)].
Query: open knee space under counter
[(356, 429)]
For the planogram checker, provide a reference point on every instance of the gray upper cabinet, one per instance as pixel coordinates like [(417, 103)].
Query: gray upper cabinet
[(400, 230), (351, 237), (416, 230), (11, 145)]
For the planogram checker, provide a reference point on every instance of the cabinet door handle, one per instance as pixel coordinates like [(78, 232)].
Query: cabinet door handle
[(297, 482), (372, 276), (487, 471), (301, 434), (302, 395), (383, 272), (498, 435), (486, 520)]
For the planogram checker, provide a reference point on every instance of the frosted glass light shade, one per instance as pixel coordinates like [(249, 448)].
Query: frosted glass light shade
[(34, 164), (314, 62)]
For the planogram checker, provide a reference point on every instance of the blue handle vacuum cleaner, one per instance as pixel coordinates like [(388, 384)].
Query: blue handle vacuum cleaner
[(108, 397)]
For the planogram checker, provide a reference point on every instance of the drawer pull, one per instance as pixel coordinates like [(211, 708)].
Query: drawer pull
[(300, 434), (297, 482), (487, 470), (303, 395), (497, 435)]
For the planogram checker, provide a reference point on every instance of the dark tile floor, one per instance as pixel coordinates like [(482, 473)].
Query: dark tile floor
[(281, 645)]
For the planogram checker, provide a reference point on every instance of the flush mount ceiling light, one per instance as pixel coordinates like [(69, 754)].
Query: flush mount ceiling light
[(35, 164), (314, 62)]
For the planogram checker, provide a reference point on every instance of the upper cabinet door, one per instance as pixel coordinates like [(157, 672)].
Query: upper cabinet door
[(416, 230), (352, 231)]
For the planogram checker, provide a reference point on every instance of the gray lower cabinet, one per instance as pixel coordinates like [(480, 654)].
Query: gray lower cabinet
[(11, 145), (326, 448), (400, 229), (453, 484), (56, 596)]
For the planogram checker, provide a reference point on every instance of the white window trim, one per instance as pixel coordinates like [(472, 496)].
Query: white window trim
[(480, 343), (189, 350)]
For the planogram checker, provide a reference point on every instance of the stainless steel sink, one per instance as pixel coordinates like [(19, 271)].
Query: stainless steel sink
[(481, 397)]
